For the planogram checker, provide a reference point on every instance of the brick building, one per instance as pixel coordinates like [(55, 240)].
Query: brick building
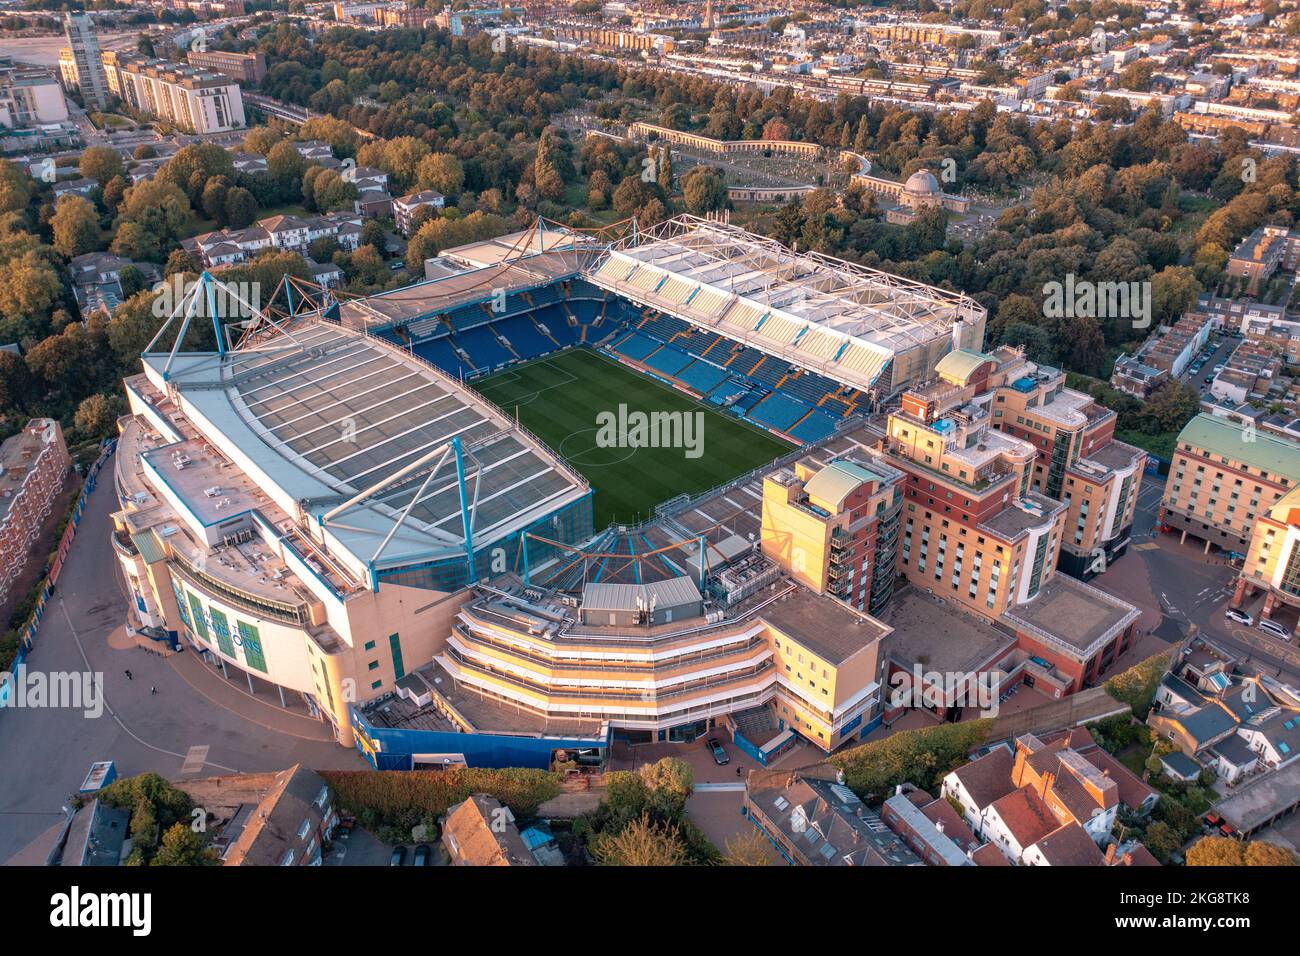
[(33, 466)]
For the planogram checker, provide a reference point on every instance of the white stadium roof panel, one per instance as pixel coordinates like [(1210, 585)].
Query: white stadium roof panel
[(326, 415), (802, 295)]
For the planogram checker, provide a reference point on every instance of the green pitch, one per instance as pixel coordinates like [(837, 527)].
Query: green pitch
[(559, 397)]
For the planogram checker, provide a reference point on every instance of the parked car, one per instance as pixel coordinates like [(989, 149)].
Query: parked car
[(399, 856), (1241, 617), (1276, 629), (421, 855), (719, 753)]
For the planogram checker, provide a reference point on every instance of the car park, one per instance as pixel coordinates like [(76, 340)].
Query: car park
[(1241, 617)]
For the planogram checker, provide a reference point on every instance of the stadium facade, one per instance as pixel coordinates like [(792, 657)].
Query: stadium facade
[(329, 508)]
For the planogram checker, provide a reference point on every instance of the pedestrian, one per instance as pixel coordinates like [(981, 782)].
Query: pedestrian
[(153, 690), (128, 675), (737, 771)]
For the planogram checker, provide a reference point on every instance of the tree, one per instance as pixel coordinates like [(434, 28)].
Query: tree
[(97, 415), (15, 382), (285, 163), (29, 287), (132, 280), (1216, 851), (401, 159), (15, 188), (442, 172), (1162, 841), (705, 191), (669, 781), (101, 163), (240, 208), (1174, 290), (1261, 853), (748, 849), (181, 846), (76, 226), (643, 842)]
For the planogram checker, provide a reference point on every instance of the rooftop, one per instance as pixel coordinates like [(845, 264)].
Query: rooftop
[(1073, 616), (1222, 437), (328, 415)]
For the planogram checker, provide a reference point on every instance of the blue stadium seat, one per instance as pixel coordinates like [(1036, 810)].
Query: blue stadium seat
[(809, 386), (813, 428), (702, 377), (440, 353), (745, 360), (524, 337), (482, 346), (636, 346), (770, 371), (668, 360), (778, 411)]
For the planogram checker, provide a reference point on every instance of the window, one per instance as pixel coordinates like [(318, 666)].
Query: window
[(304, 829)]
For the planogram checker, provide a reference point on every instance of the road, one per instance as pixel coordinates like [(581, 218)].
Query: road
[(45, 753), (1221, 350)]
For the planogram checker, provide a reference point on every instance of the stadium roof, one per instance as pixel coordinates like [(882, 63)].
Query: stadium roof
[(816, 311), (357, 432), (472, 285)]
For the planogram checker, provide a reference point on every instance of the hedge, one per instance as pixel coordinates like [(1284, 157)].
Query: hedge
[(1137, 685), (394, 796), (921, 757)]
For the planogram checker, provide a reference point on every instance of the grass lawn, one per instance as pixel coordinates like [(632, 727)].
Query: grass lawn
[(559, 397)]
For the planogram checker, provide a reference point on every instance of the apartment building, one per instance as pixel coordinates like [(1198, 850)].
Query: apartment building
[(245, 67), (196, 100), (80, 63), (285, 233), (1224, 475), (836, 528), (1079, 462), (29, 96), (1261, 254), (1272, 559), (406, 207), (1165, 355), (33, 467), (976, 532)]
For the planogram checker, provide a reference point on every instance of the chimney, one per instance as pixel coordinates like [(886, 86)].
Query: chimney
[(1110, 855), (939, 825)]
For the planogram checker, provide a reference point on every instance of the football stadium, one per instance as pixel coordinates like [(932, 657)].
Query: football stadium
[(400, 514)]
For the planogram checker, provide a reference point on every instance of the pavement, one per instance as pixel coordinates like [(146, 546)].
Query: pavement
[(45, 753)]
